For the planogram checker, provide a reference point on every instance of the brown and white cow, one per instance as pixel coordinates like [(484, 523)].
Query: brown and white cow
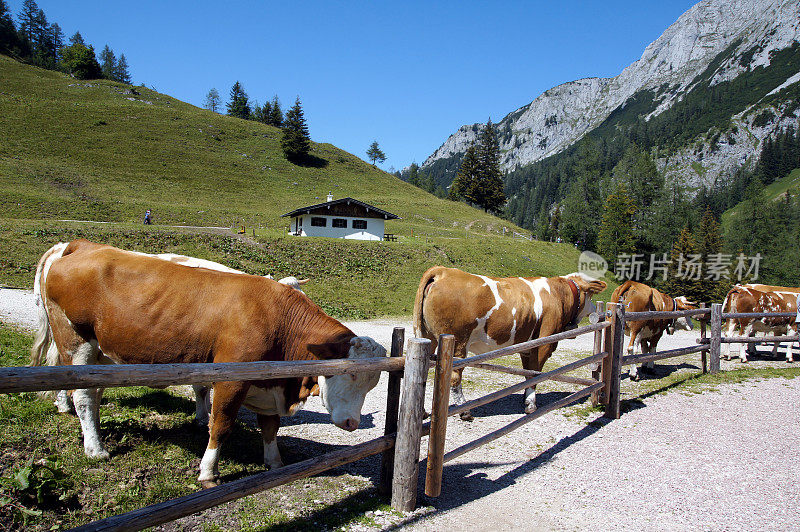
[(761, 298), (639, 297), (202, 393), (104, 304), (487, 313)]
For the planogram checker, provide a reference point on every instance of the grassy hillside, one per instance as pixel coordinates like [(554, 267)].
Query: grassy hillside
[(78, 150), (772, 191)]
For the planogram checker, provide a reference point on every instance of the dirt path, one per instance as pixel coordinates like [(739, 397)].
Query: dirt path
[(723, 459)]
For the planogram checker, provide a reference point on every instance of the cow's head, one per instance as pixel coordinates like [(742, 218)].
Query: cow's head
[(684, 323), (343, 395), (587, 288)]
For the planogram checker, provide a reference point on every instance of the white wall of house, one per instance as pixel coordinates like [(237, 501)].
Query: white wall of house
[(302, 225)]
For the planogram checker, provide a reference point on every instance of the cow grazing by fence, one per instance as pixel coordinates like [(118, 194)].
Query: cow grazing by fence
[(105, 305), (487, 313), (201, 393), (761, 298), (645, 334)]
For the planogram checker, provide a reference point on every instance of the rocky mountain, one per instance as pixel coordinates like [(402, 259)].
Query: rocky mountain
[(745, 51)]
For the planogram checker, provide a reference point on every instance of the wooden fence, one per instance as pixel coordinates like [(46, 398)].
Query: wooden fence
[(23, 379), (404, 427)]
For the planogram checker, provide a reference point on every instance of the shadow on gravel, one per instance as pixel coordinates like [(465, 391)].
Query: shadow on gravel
[(461, 483)]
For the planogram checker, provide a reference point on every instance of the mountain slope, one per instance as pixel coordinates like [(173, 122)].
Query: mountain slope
[(99, 150), (712, 44)]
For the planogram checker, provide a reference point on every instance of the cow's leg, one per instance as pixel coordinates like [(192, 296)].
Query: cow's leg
[(535, 360), (87, 401), (731, 331), (202, 404), (636, 341), (456, 391), (269, 432), (750, 332), (228, 397), (62, 402)]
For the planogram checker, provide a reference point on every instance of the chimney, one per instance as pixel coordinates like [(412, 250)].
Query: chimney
[(330, 196)]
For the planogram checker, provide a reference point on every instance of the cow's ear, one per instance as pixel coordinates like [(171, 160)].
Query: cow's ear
[(595, 286), (329, 350)]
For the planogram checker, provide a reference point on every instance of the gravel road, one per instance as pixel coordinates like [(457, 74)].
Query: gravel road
[(724, 459)]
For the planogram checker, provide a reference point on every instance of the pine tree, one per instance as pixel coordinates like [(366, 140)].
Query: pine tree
[(708, 239), (121, 73), (374, 153), (615, 235), (9, 40), (465, 184), (276, 116), (77, 38), (490, 182), (681, 278), (212, 100), (238, 105), (27, 19), (413, 174), (108, 62), (295, 142), (264, 113)]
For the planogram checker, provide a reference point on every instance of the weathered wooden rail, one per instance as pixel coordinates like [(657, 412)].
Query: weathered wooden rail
[(393, 472)]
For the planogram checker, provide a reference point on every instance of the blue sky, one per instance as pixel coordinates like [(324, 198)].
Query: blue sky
[(406, 74)]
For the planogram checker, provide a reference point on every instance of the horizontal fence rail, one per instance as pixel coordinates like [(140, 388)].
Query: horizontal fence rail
[(525, 346), (661, 355), (753, 339), (740, 315), (29, 379), (664, 314)]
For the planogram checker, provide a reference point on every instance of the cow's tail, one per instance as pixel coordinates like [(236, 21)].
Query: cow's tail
[(44, 349), (428, 278), (621, 291)]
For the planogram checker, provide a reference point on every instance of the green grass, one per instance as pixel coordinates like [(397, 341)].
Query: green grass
[(773, 191)]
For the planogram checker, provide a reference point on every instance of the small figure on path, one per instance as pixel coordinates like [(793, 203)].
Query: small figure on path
[(147, 217)]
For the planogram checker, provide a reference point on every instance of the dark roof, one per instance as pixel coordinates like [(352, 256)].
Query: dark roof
[(347, 201)]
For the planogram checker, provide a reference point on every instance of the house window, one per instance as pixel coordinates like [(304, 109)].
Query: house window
[(341, 223), (359, 224), (317, 221)]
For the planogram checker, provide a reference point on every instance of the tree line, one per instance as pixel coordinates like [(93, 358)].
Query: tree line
[(295, 138), (479, 181), (40, 43)]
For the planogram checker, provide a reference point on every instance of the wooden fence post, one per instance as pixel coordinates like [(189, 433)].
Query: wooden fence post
[(392, 407), (598, 348), (615, 356), (703, 354), (716, 335), (409, 433), (441, 403)]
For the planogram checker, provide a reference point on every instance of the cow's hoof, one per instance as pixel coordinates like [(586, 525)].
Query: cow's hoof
[(530, 408), (466, 416), (205, 484), (633, 376)]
